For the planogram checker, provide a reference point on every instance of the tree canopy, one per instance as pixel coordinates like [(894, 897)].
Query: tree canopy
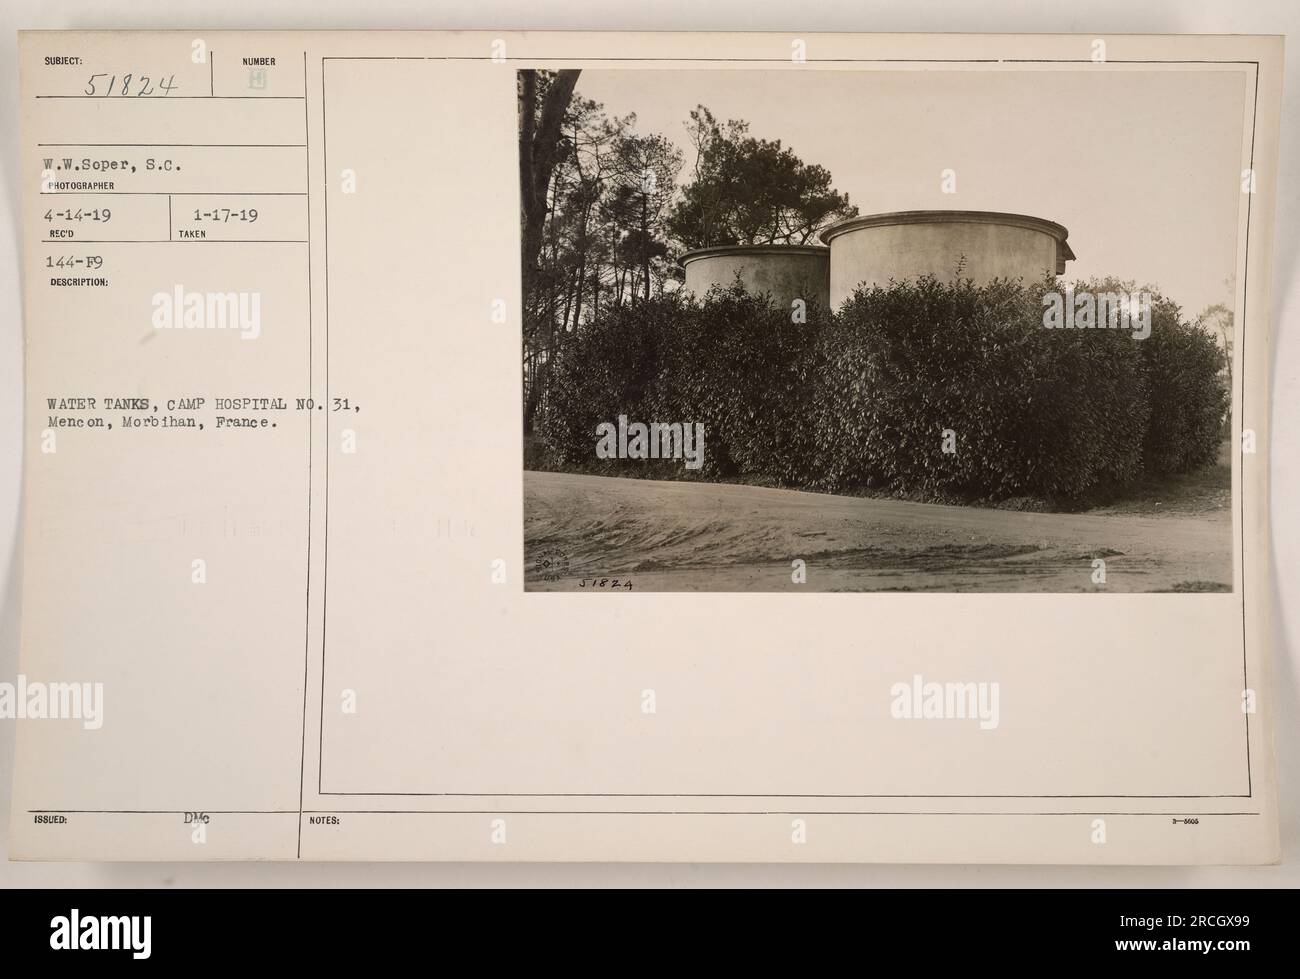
[(605, 213), (748, 191)]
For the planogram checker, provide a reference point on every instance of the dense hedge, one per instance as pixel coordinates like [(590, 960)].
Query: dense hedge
[(1186, 391), (605, 370), (740, 365), (862, 398), (735, 363), (1053, 413)]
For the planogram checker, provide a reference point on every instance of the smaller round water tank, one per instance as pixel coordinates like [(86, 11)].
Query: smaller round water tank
[(786, 272)]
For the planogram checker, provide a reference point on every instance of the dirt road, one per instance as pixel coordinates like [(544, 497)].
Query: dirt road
[(682, 536)]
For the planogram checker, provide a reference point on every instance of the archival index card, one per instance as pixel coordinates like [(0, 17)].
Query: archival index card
[(542, 446)]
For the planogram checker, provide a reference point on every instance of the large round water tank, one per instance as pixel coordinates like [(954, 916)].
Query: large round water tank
[(977, 245), (786, 272)]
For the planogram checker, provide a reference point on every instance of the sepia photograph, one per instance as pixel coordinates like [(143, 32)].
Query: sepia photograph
[(833, 329), (919, 377)]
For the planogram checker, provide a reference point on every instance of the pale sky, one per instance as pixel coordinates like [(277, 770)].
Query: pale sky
[(1143, 167)]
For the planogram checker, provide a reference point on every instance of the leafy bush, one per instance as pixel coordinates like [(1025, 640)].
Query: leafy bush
[(1186, 389), (733, 362), (604, 370), (739, 365), (862, 398), (1054, 413)]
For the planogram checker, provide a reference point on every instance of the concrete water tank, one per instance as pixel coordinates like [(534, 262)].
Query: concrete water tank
[(978, 245), (786, 272)]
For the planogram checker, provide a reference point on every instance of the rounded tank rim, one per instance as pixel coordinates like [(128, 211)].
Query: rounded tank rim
[(1057, 231), (716, 251)]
